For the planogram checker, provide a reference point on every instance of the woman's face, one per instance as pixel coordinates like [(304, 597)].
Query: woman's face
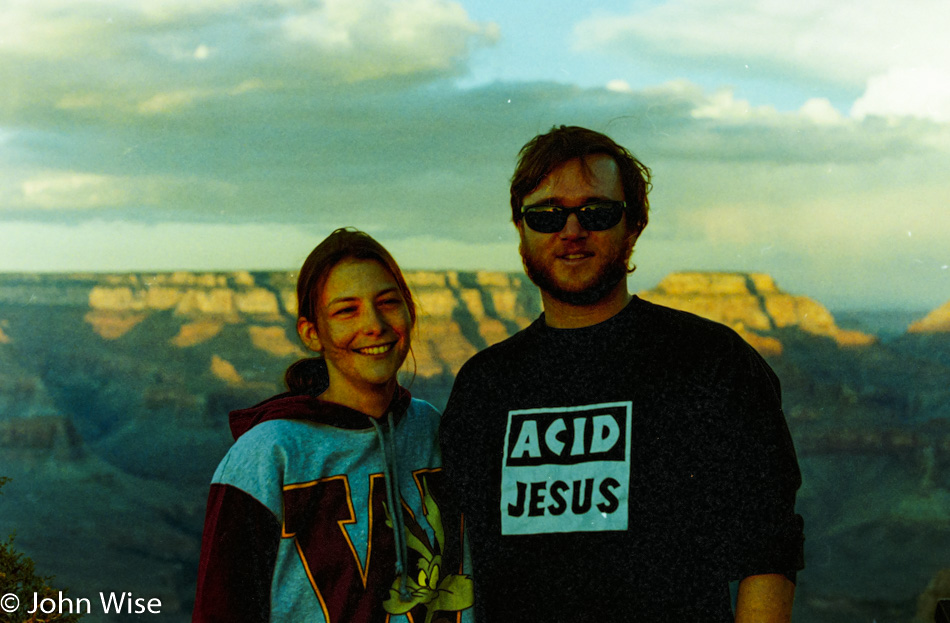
[(362, 329)]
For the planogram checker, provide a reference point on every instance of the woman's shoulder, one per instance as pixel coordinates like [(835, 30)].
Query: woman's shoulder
[(423, 410), (274, 433), (264, 443), (257, 463), (422, 406)]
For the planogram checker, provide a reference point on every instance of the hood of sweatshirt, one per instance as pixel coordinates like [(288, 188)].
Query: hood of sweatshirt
[(310, 408)]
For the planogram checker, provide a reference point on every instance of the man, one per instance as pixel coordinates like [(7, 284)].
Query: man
[(617, 460)]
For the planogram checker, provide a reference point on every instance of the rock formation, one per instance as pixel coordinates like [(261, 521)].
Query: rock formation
[(937, 321), (459, 313), (32, 428), (144, 368), (41, 437), (752, 304)]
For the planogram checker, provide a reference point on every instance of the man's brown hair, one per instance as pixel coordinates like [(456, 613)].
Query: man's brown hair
[(545, 152)]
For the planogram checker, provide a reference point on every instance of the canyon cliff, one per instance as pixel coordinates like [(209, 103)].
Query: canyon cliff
[(114, 391), (937, 321), (753, 305)]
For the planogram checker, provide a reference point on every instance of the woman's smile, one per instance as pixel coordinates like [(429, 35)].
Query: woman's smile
[(362, 329)]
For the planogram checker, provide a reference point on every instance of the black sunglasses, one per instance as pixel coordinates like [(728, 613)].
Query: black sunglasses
[(549, 219)]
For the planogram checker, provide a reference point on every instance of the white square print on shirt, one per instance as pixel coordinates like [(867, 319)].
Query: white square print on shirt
[(566, 469)]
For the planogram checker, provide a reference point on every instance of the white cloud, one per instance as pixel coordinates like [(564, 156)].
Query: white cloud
[(129, 56), (429, 252), (109, 245), (819, 110), (254, 84), (723, 105), (173, 101), (619, 86), (848, 43), (73, 190), (328, 26), (425, 169), (916, 92), (365, 39)]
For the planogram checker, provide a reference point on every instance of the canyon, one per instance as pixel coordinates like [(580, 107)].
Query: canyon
[(114, 392)]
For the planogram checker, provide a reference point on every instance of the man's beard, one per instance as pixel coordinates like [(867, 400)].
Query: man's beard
[(604, 283)]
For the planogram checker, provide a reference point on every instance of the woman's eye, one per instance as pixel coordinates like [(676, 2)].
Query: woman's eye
[(344, 311)]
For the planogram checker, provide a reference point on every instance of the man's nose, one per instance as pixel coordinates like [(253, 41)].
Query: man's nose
[(573, 228)]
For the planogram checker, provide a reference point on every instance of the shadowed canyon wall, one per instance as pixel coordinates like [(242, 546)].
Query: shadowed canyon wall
[(114, 391)]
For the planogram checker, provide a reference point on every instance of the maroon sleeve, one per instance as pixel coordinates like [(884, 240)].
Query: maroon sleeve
[(238, 553)]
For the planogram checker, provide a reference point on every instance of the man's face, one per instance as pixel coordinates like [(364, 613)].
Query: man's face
[(574, 265)]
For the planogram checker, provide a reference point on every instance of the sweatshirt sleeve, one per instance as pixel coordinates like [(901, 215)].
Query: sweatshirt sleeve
[(238, 554), (769, 536)]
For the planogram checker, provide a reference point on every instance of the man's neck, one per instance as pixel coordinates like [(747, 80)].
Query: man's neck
[(561, 315)]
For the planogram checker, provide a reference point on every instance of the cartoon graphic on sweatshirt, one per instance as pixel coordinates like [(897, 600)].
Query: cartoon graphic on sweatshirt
[(432, 587)]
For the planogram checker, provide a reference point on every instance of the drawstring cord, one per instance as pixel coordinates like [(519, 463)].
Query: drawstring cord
[(401, 554), (391, 476)]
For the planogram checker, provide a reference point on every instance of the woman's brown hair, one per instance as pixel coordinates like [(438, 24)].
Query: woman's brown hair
[(309, 375)]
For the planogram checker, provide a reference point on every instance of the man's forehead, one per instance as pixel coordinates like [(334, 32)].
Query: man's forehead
[(598, 172)]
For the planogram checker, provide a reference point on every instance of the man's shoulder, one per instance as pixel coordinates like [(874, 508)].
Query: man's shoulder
[(514, 347), (503, 350), (697, 343), (644, 326), (648, 320), (663, 323)]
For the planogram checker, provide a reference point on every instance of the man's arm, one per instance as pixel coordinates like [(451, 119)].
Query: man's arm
[(768, 531), (765, 599)]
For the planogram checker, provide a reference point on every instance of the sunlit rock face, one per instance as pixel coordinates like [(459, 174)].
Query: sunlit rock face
[(459, 313), (753, 305), (238, 328), (937, 321), (224, 295), (462, 313), (115, 390)]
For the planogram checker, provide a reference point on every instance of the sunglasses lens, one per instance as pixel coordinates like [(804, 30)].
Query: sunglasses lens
[(592, 217), (546, 221), (599, 216)]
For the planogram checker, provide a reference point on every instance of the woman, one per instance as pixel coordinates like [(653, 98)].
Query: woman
[(326, 506)]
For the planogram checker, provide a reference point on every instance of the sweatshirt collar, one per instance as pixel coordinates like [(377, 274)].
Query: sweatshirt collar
[(310, 408)]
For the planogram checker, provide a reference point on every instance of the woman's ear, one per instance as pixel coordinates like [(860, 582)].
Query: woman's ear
[(308, 335)]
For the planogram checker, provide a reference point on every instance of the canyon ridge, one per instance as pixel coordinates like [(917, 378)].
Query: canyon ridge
[(115, 389)]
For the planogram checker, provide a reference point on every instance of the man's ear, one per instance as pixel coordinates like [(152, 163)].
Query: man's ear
[(632, 238), (519, 225), (308, 335)]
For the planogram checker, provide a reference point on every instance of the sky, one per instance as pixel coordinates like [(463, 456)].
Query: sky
[(808, 140)]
